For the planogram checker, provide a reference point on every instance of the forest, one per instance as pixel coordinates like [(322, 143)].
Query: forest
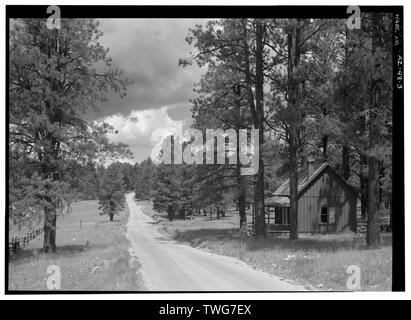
[(314, 88)]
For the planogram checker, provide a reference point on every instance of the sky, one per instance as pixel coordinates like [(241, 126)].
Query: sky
[(147, 51)]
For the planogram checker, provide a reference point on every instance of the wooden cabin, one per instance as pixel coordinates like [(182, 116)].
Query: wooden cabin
[(326, 203)]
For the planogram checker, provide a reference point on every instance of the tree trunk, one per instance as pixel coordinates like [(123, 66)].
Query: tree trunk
[(374, 166), (250, 95), (258, 124), (112, 209), (182, 213), (50, 219), (241, 202), (345, 159), (390, 211), (293, 39), (363, 187), (293, 191), (241, 186), (373, 227), (325, 146), (170, 213), (345, 165)]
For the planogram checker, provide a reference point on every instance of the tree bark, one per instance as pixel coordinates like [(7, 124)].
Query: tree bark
[(373, 227), (112, 209), (241, 186), (50, 219), (345, 161), (170, 213), (293, 39), (293, 190), (374, 166), (345, 165), (182, 213), (241, 201), (247, 69), (50, 157), (325, 146), (258, 124), (363, 187)]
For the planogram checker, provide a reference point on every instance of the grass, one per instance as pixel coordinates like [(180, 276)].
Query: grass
[(92, 254), (318, 261)]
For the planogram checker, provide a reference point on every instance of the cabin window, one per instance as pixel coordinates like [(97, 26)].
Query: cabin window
[(327, 215), (324, 215)]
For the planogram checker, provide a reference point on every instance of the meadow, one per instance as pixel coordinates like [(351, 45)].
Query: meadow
[(92, 254)]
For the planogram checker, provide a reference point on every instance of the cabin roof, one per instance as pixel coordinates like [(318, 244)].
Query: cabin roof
[(303, 181), (281, 195), (278, 201)]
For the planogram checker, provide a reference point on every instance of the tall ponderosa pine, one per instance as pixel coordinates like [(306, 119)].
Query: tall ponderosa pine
[(144, 180), (173, 190), (54, 82), (233, 51), (112, 191)]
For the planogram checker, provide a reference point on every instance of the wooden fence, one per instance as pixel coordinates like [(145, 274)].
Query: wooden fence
[(18, 243)]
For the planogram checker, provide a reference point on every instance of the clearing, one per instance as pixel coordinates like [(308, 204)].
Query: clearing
[(92, 255)]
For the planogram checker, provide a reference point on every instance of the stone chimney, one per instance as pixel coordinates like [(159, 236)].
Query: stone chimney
[(310, 165)]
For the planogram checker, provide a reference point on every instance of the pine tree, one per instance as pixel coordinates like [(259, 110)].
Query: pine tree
[(112, 191), (143, 183), (53, 83)]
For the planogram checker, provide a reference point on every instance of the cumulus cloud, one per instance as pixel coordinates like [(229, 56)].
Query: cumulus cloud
[(136, 129), (147, 51)]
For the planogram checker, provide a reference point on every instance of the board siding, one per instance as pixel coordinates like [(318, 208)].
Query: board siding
[(327, 190)]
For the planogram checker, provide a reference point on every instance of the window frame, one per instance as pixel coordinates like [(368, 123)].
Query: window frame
[(328, 215), (321, 214)]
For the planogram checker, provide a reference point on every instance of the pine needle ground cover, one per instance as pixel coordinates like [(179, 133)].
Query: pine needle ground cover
[(92, 254), (318, 261)]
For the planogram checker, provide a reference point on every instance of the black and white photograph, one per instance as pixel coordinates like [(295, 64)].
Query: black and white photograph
[(211, 149)]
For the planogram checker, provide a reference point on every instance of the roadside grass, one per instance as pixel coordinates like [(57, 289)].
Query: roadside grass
[(317, 261), (92, 254)]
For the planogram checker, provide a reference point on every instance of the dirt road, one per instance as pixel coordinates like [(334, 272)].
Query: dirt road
[(171, 266)]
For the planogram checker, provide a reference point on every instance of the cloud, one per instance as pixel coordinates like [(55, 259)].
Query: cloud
[(179, 111), (136, 129), (147, 51)]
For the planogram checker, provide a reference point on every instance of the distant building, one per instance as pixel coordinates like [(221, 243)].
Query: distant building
[(326, 203)]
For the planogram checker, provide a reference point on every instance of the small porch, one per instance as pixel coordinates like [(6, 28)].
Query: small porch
[(277, 218)]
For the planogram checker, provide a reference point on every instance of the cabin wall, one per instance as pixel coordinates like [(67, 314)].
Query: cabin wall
[(327, 190)]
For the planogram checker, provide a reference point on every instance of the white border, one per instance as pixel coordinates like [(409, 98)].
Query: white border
[(207, 296)]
